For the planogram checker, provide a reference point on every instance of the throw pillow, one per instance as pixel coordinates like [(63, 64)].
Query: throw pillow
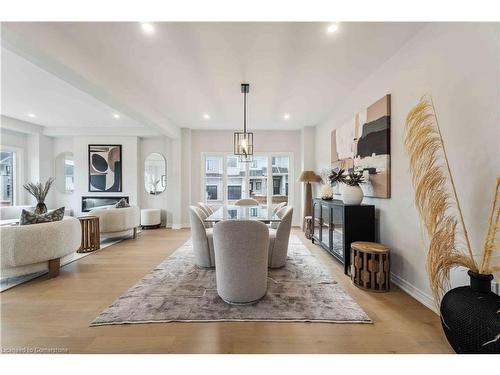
[(122, 203), (28, 218)]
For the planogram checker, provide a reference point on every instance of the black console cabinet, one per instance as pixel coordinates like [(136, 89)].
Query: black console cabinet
[(336, 226)]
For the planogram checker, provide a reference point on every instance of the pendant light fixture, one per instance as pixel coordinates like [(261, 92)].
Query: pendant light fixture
[(243, 141)]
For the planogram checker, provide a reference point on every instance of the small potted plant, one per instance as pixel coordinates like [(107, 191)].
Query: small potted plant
[(326, 192), (352, 193), (39, 191)]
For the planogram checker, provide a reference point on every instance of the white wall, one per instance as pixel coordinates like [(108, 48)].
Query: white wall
[(458, 64), (134, 152), (79, 147), (221, 141), (34, 155)]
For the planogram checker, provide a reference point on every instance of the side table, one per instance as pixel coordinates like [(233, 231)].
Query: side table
[(370, 266), (91, 236)]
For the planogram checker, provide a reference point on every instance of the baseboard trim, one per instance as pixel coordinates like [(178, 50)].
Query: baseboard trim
[(179, 226), (422, 297)]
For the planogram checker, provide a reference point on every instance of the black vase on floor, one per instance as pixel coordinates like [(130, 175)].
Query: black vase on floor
[(470, 316), (40, 208)]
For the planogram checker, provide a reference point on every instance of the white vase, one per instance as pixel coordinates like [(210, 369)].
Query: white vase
[(352, 194)]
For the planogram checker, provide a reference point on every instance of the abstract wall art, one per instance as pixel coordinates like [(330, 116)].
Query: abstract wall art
[(364, 145), (105, 168)]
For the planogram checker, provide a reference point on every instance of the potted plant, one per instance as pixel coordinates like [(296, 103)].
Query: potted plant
[(351, 192), (326, 192), (469, 314), (39, 191), (335, 177)]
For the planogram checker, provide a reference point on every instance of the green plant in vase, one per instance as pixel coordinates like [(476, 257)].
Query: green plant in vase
[(39, 191), (352, 193), (336, 176)]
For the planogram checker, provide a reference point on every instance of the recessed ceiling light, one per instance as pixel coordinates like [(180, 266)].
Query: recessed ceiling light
[(147, 27), (286, 116), (116, 115), (206, 116), (32, 115), (332, 28)]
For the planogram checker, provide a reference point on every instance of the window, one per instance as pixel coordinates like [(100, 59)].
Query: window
[(234, 192), (7, 178), (214, 177), (227, 179), (212, 192), (211, 165), (236, 178), (276, 185), (280, 171), (258, 179)]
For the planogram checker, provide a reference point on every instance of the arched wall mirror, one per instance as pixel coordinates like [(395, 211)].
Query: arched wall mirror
[(65, 173), (155, 174)]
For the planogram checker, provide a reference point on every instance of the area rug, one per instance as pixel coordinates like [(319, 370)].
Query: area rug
[(178, 291)]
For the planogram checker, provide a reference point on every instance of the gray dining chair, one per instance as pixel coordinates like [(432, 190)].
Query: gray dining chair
[(278, 239), (203, 244), (246, 202), (241, 259)]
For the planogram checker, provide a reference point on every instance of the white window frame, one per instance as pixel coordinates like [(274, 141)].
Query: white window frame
[(269, 155), (17, 172)]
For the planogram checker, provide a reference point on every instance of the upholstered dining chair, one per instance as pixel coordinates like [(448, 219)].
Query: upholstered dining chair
[(278, 239), (246, 202), (206, 208), (280, 213), (203, 244), (241, 258), (279, 206), (204, 213)]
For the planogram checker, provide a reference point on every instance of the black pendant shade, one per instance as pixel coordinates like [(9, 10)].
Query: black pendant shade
[(243, 141)]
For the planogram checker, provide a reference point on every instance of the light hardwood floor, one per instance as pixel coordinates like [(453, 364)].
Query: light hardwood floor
[(47, 314)]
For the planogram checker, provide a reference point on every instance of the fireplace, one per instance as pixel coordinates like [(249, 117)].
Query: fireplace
[(89, 203)]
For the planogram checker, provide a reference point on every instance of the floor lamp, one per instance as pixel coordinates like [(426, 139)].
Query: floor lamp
[(307, 177)]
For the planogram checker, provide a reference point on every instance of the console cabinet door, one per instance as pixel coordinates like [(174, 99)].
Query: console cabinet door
[(326, 221), (338, 231), (317, 220)]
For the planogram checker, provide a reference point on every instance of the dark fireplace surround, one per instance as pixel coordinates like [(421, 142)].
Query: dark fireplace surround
[(90, 202)]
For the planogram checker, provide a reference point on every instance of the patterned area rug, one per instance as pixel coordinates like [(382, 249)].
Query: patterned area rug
[(177, 291)]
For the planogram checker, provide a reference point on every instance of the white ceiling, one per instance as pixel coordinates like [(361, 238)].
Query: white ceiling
[(28, 89), (169, 79)]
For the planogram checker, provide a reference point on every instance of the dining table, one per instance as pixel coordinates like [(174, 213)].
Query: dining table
[(262, 213)]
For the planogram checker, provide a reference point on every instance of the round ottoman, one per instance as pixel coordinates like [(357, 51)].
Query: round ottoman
[(150, 218)]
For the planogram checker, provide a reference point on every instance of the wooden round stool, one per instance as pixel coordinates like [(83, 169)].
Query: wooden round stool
[(91, 236), (370, 267)]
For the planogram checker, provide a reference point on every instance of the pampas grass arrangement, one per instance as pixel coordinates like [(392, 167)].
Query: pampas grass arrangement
[(39, 191), (437, 202)]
